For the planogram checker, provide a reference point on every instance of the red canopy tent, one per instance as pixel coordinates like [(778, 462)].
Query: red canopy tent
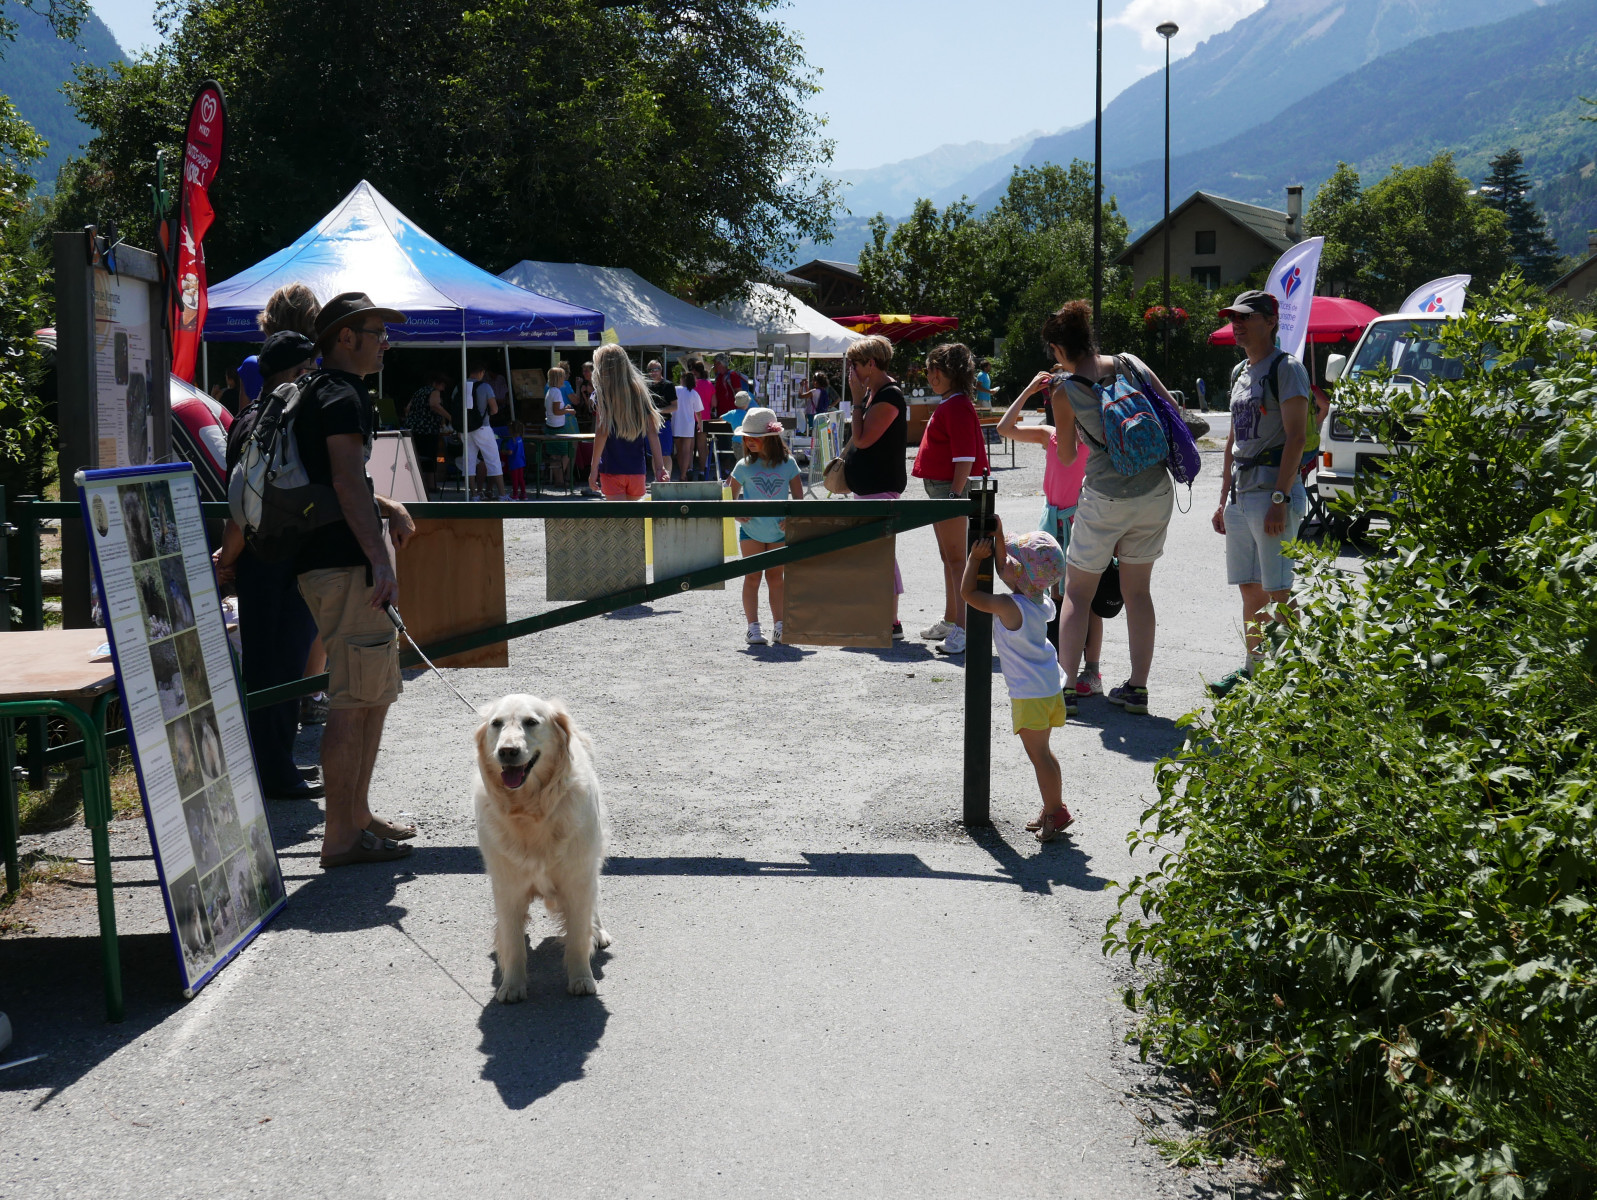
[(1331, 319), (899, 328)]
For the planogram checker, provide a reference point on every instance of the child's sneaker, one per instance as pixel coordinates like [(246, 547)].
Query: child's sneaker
[(1089, 683), (754, 637), (1130, 697), (1071, 707), (776, 638), (954, 643), (898, 631)]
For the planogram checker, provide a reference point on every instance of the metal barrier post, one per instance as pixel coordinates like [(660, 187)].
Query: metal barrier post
[(979, 669), (30, 598)]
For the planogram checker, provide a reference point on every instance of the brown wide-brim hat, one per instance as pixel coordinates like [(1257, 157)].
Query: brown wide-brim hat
[(347, 307)]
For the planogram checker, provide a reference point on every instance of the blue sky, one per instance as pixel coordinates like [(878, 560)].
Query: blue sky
[(901, 77)]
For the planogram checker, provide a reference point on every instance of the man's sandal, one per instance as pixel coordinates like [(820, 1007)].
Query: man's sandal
[(369, 849), (384, 828), (1052, 827)]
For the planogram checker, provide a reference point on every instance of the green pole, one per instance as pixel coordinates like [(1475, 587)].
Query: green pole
[(979, 669)]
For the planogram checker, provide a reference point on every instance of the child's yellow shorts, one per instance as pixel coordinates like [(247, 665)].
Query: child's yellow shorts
[(1044, 712)]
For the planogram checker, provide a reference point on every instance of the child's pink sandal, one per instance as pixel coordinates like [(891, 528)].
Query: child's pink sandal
[(1053, 826)]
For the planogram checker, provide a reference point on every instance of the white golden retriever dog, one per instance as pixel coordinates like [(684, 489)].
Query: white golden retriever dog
[(540, 824)]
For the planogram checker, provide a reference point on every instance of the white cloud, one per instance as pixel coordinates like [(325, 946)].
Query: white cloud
[(1198, 19)]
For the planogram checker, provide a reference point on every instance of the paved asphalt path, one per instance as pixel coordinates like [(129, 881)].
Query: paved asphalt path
[(821, 984)]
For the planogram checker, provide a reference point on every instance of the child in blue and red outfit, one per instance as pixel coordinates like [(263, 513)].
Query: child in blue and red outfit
[(515, 451)]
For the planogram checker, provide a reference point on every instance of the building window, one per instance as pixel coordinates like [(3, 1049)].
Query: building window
[(1204, 239), (1208, 277)]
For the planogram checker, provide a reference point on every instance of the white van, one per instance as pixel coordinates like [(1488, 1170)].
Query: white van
[(1407, 345)]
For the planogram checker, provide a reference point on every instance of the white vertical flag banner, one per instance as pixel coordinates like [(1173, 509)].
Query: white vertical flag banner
[(1291, 282), (1439, 296)]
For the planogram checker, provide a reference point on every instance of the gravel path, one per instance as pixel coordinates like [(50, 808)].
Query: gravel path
[(820, 983)]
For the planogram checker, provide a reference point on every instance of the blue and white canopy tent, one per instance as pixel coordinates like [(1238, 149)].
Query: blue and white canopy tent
[(365, 244)]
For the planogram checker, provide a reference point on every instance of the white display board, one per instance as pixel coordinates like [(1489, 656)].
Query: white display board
[(124, 370), (184, 711)]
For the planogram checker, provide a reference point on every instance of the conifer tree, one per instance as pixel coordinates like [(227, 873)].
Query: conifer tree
[(1531, 246)]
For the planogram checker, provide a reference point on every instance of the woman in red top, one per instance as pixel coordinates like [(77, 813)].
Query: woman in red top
[(951, 450)]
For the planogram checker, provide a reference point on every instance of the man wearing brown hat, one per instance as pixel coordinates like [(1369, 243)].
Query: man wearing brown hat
[(1262, 502), (346, 574)]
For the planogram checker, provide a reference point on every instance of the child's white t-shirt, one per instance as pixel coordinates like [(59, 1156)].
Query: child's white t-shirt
[(1030, 663)]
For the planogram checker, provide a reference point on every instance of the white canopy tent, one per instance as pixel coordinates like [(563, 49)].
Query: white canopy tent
[(779, 317), (640, 313)]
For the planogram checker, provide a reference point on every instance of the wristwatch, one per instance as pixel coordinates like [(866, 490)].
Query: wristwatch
[(1278, 498)]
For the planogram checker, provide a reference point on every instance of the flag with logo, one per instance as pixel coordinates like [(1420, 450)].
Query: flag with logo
[(1439, 297), (1291, 282), (202, 157)]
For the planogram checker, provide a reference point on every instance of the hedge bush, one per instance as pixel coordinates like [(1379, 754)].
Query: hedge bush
[(1370, 919)]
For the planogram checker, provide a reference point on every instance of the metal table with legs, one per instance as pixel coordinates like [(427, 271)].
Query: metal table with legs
[(49, 673)]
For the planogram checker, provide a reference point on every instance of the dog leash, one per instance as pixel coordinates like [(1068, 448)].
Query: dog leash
[(393, 615)]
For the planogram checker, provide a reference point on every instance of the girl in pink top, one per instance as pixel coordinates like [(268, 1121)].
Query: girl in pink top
[(1061, 488)]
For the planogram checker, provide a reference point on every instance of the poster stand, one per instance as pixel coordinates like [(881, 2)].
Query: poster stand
[(184, 708)]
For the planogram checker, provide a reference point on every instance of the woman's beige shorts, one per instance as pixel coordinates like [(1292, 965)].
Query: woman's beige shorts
[(1132, 529), (362, 644)]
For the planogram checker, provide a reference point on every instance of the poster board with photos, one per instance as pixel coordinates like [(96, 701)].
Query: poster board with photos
[(185, 712)]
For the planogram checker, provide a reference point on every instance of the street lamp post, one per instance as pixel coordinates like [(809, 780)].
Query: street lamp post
[(1097, 182), (1167, 31)]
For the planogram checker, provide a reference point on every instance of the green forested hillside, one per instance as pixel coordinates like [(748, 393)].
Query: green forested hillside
[(1475, 93), (32, 71)]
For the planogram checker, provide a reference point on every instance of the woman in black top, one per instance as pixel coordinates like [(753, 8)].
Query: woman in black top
[(878, 435)]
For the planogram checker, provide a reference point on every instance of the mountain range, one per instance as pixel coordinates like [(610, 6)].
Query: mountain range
[(943, 175), (32, 69), (1369, 82)]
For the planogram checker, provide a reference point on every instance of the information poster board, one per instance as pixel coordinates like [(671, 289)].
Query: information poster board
[(124, 371), (185, 712)]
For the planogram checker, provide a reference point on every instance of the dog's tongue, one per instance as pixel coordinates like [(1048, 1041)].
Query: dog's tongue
[(513, 776)]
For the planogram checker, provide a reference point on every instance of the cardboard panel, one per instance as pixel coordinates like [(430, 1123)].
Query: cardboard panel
[(844, 598), (591, 557), (683, 545), (452, 581)]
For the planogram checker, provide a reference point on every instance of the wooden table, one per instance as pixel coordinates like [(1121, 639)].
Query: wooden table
[(54, 672), (989, 418), (540, 441)]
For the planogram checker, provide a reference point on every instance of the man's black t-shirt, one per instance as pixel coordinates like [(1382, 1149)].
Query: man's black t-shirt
[(879, 467), (334, 402)]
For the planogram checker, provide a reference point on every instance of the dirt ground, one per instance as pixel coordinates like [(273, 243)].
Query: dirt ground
[(821, 982)]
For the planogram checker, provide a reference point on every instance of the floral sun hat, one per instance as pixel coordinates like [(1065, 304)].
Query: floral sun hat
[(1037, 560)]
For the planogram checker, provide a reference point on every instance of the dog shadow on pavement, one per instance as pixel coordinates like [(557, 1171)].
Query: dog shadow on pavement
[(531, 1048)]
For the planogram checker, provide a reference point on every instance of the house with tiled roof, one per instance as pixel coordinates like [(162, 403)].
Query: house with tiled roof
[(1215, 240)]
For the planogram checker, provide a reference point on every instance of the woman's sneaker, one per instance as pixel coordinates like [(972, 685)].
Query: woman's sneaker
[(754, 637), (1130, 697), (954, 643), (776, 638), (1089, 683), (937, 632)]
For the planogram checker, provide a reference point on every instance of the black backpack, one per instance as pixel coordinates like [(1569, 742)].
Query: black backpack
[(272, 499)]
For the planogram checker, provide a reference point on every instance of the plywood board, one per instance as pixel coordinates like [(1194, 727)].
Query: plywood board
[(591, 557), (682, 545), (452, 581), (844, 598)]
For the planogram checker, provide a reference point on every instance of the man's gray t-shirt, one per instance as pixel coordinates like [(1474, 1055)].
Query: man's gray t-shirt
[(1101, 475), (1256, 417)]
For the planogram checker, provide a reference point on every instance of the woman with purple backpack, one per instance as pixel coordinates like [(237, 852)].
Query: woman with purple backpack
[(1120, 516)]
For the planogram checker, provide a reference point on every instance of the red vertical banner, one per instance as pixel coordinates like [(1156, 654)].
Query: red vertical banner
[(202, 157)]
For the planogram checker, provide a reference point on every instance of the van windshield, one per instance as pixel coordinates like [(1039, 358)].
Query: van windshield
[(1407, 348)]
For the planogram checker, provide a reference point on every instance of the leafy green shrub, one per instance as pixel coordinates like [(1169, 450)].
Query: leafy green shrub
[(1370, 917)]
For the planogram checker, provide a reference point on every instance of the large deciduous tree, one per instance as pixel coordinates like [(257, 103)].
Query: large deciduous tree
[(1416, 224), (664, 137)]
